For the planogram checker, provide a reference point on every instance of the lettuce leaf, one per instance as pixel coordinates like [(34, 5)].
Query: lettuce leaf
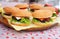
[(51, 20), (23, 20), (35, 20), (54, 14)]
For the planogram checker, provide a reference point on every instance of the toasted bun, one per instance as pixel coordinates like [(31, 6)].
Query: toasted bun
[(42, 14), (23, 13), (19, 24), (22, 6), (17, 12), (49, 8), (7, 9), (11, 9), (42, 26), (36, 6)]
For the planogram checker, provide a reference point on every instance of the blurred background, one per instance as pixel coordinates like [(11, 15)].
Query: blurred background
[(53, 2), (39, 1)]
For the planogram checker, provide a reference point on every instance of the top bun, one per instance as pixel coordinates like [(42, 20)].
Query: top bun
[(42, 14), (49, 8), (36, 6), (11, 10), (22, 6), (18, 12), (7, 9)]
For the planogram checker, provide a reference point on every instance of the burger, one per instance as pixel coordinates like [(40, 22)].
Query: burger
[(51, 9), (43, 17), (22, 6), (18, 17), (21, 19), (35, 6)]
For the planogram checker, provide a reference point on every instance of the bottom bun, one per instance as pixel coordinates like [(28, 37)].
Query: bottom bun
[(20, 24), (42, 24), (4, 21), (31, 27)]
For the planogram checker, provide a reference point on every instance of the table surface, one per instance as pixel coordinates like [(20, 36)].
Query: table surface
[(8, 33)]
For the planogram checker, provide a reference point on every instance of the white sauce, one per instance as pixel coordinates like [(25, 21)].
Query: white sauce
[(18, 18)]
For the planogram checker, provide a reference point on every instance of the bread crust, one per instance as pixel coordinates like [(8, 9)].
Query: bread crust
[(42, 14), (23, 13), (20, 24), (14, 11), (42, 28), (36, 6), (22, 6), (7, 10)]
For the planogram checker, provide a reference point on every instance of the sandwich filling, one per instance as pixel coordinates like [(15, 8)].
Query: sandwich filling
[(43, 20), (19, 20)]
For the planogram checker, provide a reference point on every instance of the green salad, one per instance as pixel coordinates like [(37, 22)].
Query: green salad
[(22, 20)]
